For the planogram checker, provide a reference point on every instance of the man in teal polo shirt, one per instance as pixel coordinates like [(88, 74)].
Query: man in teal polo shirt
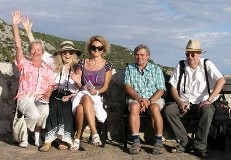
[(144, 83)]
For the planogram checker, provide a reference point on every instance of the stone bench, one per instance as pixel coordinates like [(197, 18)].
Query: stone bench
[(115, 101)]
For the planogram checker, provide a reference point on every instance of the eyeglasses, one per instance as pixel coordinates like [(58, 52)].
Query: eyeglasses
[(99, 48), (192, 54), (65, 52)]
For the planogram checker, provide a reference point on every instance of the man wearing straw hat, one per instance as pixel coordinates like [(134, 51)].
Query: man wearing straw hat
[(192, 97)]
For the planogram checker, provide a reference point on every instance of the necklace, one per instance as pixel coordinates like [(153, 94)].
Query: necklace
[(94, 62)]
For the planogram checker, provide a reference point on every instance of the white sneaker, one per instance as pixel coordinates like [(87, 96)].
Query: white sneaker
[(23, 144)]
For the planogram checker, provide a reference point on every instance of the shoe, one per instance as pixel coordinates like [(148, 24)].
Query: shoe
[(23, 144), (75, 146), (178, 149), (45, 148), (96, 140), (158, 149), (202, 153), (135, 148), (63, 146)]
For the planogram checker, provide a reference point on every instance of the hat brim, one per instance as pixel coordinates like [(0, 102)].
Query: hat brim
[(77, 52), (195, 50)]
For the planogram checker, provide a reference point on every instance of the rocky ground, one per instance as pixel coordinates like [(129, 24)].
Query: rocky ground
[(112, 151)]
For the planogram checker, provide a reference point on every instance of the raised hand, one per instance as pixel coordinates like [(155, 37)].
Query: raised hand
[(16, 17), (27, 24)]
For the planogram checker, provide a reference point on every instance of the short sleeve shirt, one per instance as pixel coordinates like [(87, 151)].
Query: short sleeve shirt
[(145, 82), (33, 80), (196, 89)]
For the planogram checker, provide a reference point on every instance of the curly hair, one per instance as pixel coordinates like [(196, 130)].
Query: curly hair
[(100, 39), (58, 62)]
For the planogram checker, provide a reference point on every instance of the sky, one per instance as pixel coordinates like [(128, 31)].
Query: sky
[(165, 26)]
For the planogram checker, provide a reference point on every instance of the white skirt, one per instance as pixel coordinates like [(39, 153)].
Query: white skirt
[(100, 113)]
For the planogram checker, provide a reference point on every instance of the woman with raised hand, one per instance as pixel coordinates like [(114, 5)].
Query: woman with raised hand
[(35, 83), (95, 73), (27, 24)]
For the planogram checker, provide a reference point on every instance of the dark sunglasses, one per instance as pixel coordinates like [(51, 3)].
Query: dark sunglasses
[(65, 52), (99, 48), (192, 54)]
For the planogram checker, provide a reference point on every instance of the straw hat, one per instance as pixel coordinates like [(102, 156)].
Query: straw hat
[(194, 45), (67, 46)]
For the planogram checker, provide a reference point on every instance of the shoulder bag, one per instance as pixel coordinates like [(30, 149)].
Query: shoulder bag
[(19, 128)]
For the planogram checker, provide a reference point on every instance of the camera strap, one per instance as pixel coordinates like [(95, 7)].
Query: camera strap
[(60, 76)]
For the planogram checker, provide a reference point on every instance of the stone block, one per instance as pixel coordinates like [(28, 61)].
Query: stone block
[(5, 126)]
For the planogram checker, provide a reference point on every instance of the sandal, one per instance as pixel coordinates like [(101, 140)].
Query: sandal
[(63, 146), (179, 149), (135, 148), (96, 140), (158, 149), (45, 148), (75, 146)]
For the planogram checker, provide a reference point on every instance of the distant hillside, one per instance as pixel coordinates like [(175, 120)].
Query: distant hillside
[(119, 55)]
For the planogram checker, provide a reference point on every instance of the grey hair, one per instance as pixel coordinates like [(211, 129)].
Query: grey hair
[(141, 46), (36, 41)]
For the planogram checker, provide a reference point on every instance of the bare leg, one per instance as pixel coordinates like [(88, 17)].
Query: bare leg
[(79, 118), (134, 118), (89, 112), (157, 120)]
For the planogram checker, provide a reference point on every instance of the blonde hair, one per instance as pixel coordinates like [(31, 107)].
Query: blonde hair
[(102, 40), (58, 62), (36, 41)]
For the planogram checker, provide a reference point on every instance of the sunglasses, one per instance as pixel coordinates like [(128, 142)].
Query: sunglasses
[(192, 54), (65, 52), (99, 48)]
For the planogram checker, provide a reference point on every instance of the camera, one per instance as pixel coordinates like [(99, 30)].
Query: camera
[(61, 92)]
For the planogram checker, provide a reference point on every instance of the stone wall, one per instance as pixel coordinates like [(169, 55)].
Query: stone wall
[(114, 100)]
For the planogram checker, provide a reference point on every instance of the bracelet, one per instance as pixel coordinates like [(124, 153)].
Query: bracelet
[(97, 92)]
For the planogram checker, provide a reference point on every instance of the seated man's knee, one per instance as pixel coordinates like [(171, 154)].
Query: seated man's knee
[(171, 110), (208, 110), (154, 108), (134, 108)]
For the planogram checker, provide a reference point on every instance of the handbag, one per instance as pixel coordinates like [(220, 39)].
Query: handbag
[(221, 109), (19, 128)]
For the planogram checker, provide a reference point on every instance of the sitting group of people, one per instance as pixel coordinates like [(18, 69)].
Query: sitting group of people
[(61, 93), (145, 85)]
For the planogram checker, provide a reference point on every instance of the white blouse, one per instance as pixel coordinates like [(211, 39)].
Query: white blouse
[(61, 81)]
